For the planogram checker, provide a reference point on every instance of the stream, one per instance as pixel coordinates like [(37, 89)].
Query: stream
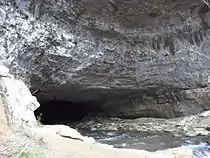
[(150, 141)]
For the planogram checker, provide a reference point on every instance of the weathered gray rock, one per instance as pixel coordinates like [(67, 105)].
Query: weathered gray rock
[(16, 101), (134, 58), (194, 125)]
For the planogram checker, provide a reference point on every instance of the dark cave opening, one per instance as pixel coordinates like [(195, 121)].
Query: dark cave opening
[(64, 112)]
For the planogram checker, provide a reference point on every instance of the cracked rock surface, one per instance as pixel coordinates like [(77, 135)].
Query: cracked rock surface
[(134, 58)]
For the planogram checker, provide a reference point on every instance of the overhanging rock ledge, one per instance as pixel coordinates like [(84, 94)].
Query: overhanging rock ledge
[(133, 58)]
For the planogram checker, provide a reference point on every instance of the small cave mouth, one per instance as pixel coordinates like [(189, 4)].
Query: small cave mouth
[(65, 112)]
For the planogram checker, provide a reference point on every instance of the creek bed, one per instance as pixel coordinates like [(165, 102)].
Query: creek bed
[(150, 141)]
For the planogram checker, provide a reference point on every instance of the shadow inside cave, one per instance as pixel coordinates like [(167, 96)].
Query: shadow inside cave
[(64, 112)]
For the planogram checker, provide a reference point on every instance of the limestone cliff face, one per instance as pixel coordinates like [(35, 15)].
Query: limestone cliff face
[(136, 58), (17, 105)]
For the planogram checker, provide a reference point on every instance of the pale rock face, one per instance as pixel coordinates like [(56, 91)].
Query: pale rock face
[(18, 102), (2, 16), (4, 71), (66, 131)]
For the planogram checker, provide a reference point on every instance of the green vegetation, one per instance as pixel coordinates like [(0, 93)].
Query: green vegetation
[(28, 154)]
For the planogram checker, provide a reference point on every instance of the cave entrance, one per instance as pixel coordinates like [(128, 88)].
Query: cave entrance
[(65, 112)]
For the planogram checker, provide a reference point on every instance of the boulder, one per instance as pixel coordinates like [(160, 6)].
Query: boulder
[(68, 132)]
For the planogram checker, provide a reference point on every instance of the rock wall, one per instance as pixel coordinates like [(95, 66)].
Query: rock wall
[(16, 102), (134, 58)]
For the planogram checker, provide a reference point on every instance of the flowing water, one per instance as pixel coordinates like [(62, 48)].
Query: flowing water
[(151, 141)]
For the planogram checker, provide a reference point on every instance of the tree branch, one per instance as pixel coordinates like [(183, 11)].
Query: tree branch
[(206, 2)]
